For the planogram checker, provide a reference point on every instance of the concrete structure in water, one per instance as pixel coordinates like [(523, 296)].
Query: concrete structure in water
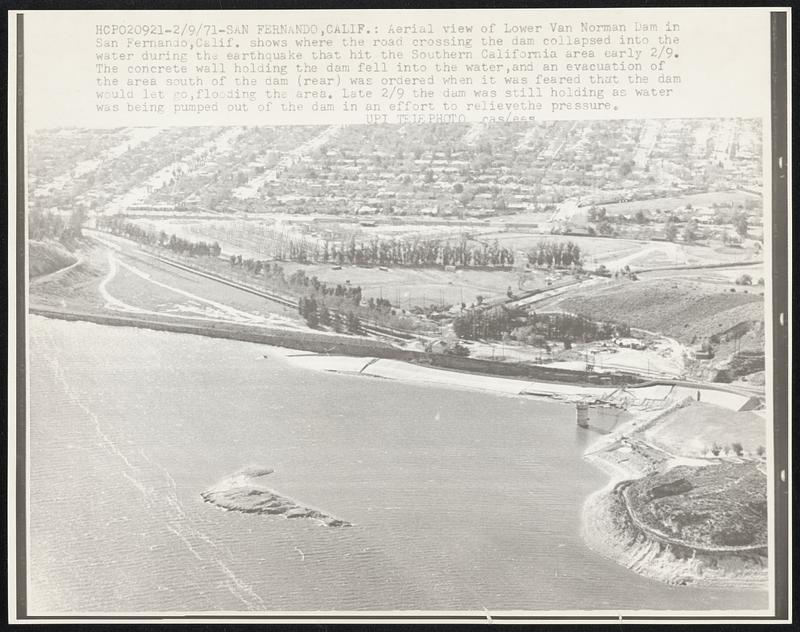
[(582, 415)]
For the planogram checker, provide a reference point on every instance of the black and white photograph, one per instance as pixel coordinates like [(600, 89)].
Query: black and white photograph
[(474, 367)]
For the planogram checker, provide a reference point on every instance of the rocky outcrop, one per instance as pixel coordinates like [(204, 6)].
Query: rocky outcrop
[(241, 492)]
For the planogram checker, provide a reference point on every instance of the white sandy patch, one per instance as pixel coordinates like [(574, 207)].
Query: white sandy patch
[(731, 401), (231, 312), (408, 372), (342, 364), (198, 308)]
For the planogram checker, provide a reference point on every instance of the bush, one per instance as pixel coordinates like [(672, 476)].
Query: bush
[(745, 279), (458, 350), (737, 448)]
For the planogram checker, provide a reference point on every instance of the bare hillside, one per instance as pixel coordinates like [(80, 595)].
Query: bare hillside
[(685, 310)]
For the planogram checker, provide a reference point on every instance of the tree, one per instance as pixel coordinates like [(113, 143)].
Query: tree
[(353, 323), (464, 198), (745, 279), (690, 231), (76, 222), (324, 316), (308, 309), (670, 230), (457, 349), (740, 224), (640, 217), (604, 227)]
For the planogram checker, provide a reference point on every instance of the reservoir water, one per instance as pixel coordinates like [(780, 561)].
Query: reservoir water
[(460, 500)]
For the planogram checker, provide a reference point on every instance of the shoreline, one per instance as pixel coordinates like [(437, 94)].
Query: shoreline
[(336, 353), (603, 525), (607, 529)]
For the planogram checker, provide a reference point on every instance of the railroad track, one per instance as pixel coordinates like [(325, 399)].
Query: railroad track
[(276, 298)]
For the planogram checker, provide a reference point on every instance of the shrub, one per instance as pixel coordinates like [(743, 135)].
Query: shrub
[(737, 448)]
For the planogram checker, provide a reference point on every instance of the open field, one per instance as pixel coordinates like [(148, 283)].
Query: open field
[(408, 287), (721, 276), (682, 309), (696, 199), (251, 238), (715, 252), (692, 430)]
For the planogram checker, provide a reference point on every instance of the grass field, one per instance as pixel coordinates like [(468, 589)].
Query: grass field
[(698, 199), (694, 429), (408, 287)]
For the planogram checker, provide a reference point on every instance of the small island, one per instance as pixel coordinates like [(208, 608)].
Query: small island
[(241, 492)]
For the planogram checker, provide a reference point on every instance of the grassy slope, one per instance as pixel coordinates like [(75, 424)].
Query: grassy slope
[(677, 308), (45, 257), (76, 287)]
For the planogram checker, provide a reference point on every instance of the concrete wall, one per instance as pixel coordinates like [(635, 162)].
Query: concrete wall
[(338, 345)]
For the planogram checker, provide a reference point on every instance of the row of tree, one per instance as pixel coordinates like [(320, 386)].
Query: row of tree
[(339, 306), (317, 314), (555, 254), (417, 252), (434, 252), (118, 225)]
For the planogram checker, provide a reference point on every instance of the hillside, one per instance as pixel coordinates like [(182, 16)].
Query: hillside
[(45, 257), (686, 310)]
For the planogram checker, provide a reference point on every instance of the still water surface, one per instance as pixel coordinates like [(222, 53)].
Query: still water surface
[(461, 500)]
